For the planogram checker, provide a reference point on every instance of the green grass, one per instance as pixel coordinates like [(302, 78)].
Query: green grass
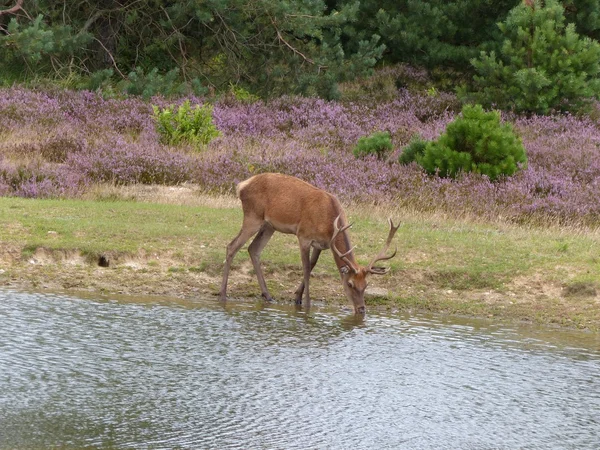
[(539, 274), (96, 227)]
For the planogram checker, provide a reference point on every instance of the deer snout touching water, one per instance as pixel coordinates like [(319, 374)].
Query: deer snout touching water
[(274, 202)]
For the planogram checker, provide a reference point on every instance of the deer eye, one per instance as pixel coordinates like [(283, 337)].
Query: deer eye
[(351, 284)]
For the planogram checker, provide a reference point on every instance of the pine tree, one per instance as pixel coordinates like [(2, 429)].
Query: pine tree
[(431, 32), (542, 66), (269, 48)]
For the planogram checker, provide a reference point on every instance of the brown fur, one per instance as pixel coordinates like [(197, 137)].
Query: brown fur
[(275, 202)]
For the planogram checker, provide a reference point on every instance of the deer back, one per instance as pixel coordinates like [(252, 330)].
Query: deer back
[(290, 205)]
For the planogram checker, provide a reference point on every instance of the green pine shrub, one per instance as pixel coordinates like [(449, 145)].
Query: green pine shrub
[(474, 142), (148, 84), (184, 125), (414, 149), (35, 49), (542, 66), (378, 144)]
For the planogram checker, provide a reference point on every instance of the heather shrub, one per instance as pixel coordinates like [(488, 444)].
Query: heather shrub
[(38, 180), (378, 144), (128, 163), (380, 87), (413, 150), (475, 142), (185, 125), (117, 141), (57, 148)]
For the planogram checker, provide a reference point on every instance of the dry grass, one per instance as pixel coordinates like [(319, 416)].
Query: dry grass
[(185, 195)]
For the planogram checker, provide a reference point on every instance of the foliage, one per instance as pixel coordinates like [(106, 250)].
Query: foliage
[(378, 144), (433, 32), (164, 47), (585, 14), (271, 47), (152, 83), (36, 49), (476, 142), (150, 47), (116, 141), (413, 150), (542, 66), (242, 95), (185, 125)]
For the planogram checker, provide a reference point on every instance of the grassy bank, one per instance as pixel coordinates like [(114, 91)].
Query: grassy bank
[(443, 265)]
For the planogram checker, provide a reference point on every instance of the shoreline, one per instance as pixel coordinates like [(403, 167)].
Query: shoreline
[(173, 246)]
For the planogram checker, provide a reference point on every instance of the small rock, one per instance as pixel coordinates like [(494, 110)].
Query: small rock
[(377, 292), (53, 233)]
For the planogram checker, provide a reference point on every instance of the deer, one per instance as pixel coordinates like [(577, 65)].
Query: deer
[(276, 202)]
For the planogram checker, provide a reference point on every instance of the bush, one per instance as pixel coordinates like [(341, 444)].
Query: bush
[(242, 95), (542, 66), (378, 143), (413, 150), (186, 125), (37, 49), (475, 142), (153, 83)]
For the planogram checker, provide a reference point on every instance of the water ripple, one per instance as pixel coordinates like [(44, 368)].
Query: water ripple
[(136, 374)]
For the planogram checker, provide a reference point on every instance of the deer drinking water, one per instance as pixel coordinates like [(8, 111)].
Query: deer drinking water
[(275, 202)]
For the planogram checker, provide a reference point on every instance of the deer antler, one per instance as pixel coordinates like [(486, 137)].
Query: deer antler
[(342, 256), (381, 255)]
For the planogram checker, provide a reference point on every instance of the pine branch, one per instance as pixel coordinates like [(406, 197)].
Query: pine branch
[(14, 9)]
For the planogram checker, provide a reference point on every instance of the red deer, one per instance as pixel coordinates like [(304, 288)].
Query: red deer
[(274, 202)]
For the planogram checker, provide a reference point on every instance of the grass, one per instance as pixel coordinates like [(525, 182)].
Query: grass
[(543, 275), (97, 227)]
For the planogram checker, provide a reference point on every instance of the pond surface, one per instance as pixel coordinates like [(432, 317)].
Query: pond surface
[(133, 373)]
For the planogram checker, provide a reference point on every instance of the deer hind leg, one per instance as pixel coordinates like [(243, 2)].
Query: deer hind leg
[(306, 268), (255, 249), (314, 257), (249, 228)]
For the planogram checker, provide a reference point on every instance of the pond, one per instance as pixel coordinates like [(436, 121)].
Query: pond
[(146, 373)]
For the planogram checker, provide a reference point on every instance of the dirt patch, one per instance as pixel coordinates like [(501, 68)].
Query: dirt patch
[(533, 287), (10, 254), (580, 289)]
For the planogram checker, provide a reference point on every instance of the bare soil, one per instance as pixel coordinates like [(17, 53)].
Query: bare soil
[(527, 299)]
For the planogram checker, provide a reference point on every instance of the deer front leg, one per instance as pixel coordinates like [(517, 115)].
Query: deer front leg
[(313, 262)]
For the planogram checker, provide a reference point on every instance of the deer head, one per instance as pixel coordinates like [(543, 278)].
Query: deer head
[(354, 276)]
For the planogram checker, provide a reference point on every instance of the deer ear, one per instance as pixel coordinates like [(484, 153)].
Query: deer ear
[(345, 270), (379, 270)]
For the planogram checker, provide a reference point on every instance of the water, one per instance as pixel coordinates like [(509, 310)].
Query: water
[(144, 374)]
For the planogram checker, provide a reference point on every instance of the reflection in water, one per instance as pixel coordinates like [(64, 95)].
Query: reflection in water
[(129, 374)]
